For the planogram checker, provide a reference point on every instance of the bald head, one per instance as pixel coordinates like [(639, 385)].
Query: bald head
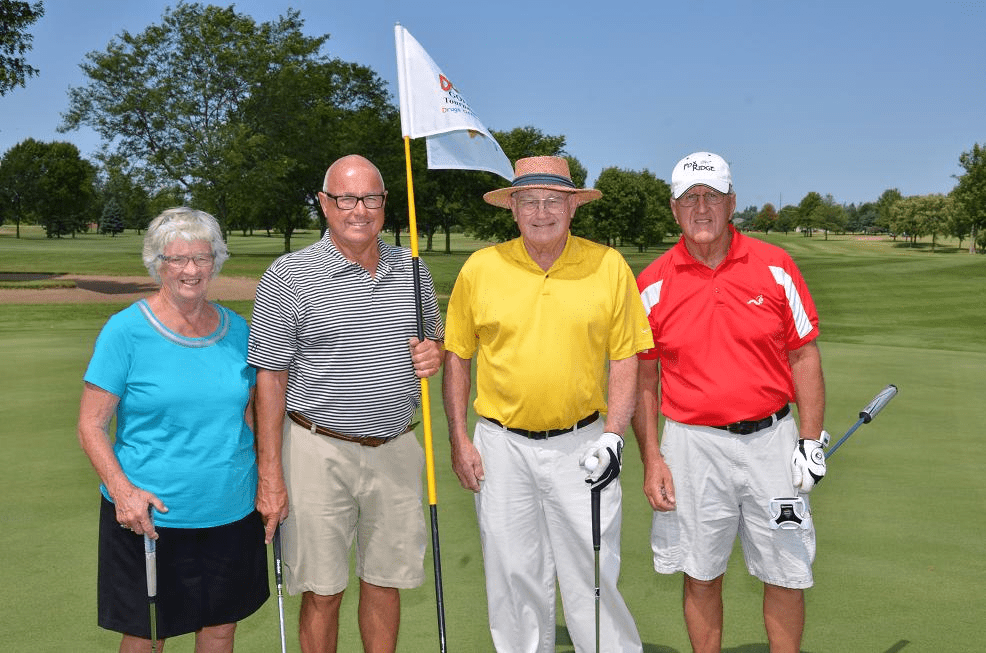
[(349, 166)]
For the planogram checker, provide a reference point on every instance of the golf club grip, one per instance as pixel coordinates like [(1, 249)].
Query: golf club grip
[(879, 401), (277, 554), (596, 534), (150, 565)]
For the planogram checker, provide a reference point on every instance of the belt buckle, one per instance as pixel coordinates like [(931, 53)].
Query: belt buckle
[(538, 435), (741, 428)]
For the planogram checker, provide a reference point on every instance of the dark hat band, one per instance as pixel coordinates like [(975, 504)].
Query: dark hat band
[(542, 179)]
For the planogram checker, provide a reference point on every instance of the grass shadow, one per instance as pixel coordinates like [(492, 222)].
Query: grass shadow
[(562, 638)]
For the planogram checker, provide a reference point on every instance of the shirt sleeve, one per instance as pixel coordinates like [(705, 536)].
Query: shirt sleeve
[(630, 332), (434, 329), (460, 328), (802, 322), (274, 326), (111, 358)]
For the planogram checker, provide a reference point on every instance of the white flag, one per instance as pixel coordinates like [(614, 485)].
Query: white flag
[(432, 107)]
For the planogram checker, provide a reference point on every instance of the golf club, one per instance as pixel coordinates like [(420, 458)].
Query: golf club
[(595, 548), (866, 415), (150, 568), (278, 579), (789, 512), (596, 487)]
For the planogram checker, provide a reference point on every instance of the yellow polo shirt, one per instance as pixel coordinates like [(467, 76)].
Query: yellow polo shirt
[(545, 338)]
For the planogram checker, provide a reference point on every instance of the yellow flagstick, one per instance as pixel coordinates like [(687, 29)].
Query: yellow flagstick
[(425, 405)]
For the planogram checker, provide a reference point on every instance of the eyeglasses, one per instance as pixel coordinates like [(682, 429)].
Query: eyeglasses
[(691, 199), (553, 205), (349, 202), (200, 260)]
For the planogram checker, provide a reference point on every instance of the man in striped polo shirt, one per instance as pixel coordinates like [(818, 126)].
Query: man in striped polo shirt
[(734, 334), (555, 323), (338, 368)]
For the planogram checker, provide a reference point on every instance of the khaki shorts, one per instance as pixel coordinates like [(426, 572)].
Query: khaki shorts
[(339, 491), (723, 486)]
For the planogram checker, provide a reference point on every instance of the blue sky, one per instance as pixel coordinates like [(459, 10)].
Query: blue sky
[(842, 98)]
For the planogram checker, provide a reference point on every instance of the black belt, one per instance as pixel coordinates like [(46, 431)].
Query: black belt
[(752, 426), (550, 433)]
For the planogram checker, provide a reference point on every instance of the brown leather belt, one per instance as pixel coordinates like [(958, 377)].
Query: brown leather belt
[(365, 440)]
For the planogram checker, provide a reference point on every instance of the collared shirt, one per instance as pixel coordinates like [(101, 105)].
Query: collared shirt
[(544, 338), (723, 336), (342, 335)]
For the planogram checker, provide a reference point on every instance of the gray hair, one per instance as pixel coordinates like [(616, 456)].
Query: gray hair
[(186, 224)]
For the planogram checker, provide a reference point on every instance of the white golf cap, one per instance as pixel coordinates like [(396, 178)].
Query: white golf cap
[(703, 168)]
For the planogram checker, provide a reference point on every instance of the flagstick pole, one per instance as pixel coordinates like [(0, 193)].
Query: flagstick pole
[(425, 405)]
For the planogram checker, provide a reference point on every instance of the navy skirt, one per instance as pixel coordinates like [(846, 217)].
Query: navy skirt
[(205, 576)]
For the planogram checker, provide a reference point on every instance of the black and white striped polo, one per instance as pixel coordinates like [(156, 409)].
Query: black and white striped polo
[(342, 335)]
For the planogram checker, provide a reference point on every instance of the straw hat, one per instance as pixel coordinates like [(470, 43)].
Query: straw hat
[(548, 172)]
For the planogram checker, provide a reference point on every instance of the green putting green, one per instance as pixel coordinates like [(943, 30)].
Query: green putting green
[(899, 516)]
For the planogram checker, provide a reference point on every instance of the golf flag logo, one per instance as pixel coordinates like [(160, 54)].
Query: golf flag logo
[(432, 107)]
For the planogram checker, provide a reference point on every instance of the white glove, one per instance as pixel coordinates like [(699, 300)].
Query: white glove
[(808, 463), (598, 456)]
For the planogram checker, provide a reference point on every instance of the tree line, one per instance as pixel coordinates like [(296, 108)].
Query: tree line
[(240, 118)]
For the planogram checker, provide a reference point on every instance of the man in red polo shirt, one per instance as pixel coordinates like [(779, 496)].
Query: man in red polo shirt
[(734, 331)]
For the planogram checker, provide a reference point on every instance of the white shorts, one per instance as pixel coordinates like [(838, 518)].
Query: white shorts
[(723, 485)]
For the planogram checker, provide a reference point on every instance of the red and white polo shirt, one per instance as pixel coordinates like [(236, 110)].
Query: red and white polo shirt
[(722, 336)]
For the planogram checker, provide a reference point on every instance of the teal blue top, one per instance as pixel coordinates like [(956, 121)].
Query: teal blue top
[(180, 428)]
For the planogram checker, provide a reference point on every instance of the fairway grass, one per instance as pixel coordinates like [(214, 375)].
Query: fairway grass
[(899, 516)]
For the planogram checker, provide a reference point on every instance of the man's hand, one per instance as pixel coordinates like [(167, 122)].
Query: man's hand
[(808, 463), (659, 486), (467, 463), (600, 454), (426, 356)]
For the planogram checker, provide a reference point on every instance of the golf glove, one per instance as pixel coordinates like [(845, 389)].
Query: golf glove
[(607, 452), (808, 463)]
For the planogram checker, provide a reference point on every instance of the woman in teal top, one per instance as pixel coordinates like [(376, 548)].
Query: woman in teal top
[(181, 465)]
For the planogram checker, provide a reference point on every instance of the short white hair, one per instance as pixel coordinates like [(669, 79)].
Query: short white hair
[(186, 224)]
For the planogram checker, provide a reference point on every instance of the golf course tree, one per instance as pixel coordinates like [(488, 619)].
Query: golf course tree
[(862, 218), (806, 215), (659, 222), (829, 216), (744, 219), (165, 197), (444, 199), (48, 184), (970, 197), (15, 41), (884, 210), (172, 96), (306, 115), (111, 221), (634, 209), (766, 219), (920, 216), (787, 219), (118, 185), (961, 225)]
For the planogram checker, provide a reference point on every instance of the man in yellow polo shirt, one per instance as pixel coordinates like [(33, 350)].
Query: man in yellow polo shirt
[(555, 322)]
